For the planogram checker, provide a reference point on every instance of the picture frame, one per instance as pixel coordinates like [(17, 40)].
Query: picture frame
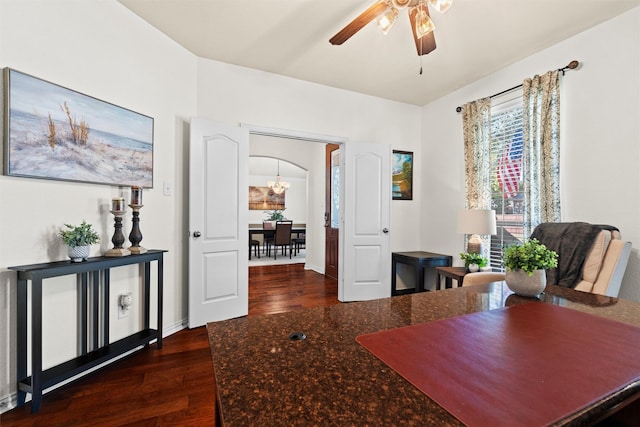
[(264, 199), (402, 175), (55, 133)]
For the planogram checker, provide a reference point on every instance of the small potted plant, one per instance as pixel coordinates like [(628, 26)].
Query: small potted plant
[(473, 261), (275, 215), (526, 264), (79, 239)]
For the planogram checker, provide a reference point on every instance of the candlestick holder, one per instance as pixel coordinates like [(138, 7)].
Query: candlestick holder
[(135, 237), (118, 237)]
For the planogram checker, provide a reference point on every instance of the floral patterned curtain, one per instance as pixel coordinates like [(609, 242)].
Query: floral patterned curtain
[(541, 149), (476, 121)]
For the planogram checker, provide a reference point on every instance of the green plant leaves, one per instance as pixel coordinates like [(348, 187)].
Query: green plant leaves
[(529, 256), (79, 235)]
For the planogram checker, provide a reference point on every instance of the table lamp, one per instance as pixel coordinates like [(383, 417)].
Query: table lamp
[(476, 222)]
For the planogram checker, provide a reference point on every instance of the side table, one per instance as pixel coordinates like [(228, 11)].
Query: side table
[(95, 347), (450, 274), (419, 261)]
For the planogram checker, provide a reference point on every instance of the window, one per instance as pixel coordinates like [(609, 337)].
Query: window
[(507, 197)]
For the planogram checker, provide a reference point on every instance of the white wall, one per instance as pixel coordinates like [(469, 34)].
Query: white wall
[(600, 138), (101, 49), (233, 94), (295, 197)]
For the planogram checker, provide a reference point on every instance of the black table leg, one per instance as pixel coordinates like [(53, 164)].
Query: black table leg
[(36, 344), (21, 339)]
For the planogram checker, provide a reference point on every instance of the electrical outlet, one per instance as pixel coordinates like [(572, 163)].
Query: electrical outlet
[(124, 303)]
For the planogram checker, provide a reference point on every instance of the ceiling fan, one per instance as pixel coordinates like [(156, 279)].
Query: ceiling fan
[(385, 13)]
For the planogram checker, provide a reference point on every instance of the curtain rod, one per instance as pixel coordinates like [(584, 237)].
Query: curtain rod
[(572, 66)]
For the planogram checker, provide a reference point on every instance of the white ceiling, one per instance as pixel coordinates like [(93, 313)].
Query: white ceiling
[(291, 37)]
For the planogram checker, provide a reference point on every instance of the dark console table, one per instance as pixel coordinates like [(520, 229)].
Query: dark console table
[(94, 323), (419, 261)]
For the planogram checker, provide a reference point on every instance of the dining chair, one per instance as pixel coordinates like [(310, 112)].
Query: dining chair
[(255, 245), (281, 239), (268, 235), (298, 243)]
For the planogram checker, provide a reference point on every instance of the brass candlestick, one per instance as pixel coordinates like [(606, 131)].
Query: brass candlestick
[(118, 237), (135, 237)]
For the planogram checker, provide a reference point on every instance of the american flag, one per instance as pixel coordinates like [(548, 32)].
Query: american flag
[(510, 167)]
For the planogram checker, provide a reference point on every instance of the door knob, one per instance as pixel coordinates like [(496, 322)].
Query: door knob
[(196, 234), (385, 230)]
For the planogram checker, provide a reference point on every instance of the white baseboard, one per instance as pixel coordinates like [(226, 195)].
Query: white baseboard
[(315, 268), (9, 402)]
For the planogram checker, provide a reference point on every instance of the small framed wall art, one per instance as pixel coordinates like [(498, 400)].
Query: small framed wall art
[(263, 198), (402, 175), (52, 132)]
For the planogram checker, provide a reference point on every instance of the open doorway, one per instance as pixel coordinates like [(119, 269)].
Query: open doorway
[(307, 152), (266, 205)]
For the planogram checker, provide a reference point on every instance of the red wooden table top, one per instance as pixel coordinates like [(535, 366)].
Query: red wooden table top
[(527, 365)]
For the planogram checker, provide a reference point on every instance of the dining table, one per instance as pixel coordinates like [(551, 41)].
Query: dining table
[(262, 231), (450, 357)]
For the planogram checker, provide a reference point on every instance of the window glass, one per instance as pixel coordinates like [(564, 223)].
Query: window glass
[(335, 189), (507, 196)]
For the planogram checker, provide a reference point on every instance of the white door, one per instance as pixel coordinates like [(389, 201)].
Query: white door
[(218, 234), (365, 262)]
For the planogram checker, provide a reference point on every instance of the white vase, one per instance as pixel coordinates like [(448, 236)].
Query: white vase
[(473, 268), (78, 253), (524, 285)]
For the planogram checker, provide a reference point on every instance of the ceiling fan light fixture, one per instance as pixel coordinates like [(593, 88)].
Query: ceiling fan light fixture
[(441, 5), (424, 24), (385, 21), (401, 3)]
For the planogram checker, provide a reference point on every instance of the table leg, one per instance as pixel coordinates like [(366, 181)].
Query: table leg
[(21, 363), (106, 296), (160, 299), (95, 323), (83, 312), (36, 344), (147, 292), (448, 283), (420, 278), (393, 278)]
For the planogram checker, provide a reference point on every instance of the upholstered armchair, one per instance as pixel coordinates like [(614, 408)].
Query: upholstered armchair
[(596, 267)]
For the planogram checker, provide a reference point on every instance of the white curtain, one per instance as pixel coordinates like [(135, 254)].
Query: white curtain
[(541, 149)]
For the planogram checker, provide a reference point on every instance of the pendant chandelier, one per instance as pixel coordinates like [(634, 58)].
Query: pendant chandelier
[(278, 186)]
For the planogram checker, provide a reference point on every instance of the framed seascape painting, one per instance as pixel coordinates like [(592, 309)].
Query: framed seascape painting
[(402, 175), (52, 132)]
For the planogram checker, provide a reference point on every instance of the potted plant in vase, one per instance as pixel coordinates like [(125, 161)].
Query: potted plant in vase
[(473, 261), (275, 215), (79, 239), (526, 264)]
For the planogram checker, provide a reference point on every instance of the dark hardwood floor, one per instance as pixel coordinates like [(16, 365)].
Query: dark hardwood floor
[(173, 386)]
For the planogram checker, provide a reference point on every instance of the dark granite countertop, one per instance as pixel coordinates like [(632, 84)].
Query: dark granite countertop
[(264, 378)]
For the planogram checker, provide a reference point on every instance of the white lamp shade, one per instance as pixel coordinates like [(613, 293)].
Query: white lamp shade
[(477, 221)]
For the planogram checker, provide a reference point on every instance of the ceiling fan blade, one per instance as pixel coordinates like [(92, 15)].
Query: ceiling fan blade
[(357, 24), (427, 43)]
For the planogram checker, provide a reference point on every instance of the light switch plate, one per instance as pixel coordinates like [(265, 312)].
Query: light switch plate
[(167, 188)]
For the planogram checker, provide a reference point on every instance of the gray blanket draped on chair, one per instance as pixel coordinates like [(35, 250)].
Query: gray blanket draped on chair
[(572, 241)]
